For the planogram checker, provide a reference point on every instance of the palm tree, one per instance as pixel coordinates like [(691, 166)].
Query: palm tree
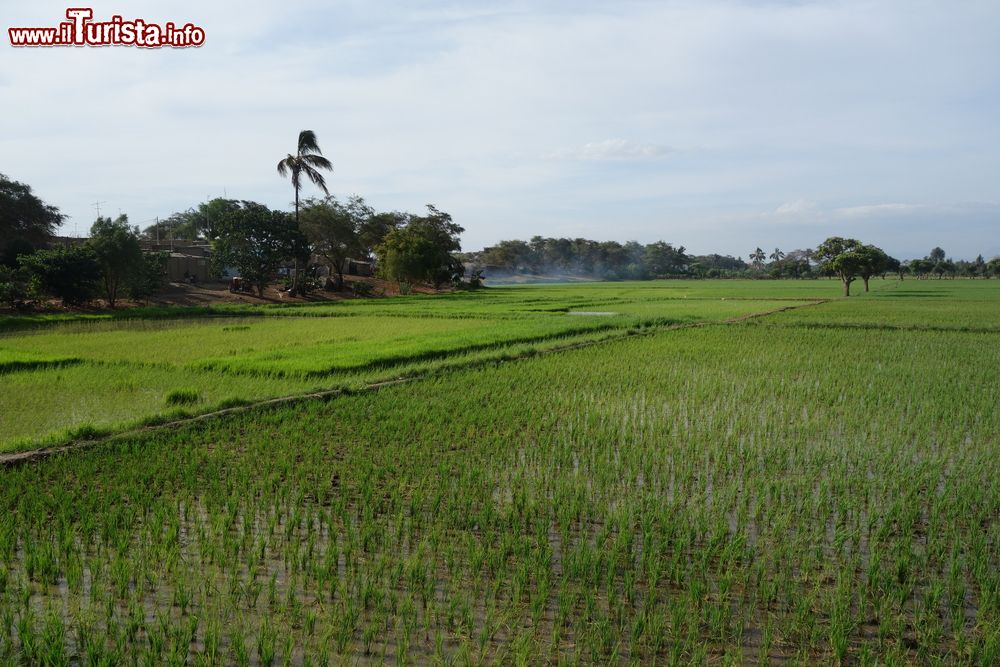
[(758, 258), (307, 160), (777, 255)]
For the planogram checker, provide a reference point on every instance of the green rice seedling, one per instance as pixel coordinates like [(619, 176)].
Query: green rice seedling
[(711, 493), (52, 650), (212, 641), (129, 367), (238, 647), (183, 397), (29, 642), (267, 638)]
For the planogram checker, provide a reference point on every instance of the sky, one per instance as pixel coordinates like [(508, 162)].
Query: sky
[(718, 125)]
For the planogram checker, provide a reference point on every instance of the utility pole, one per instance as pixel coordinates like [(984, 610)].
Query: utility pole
[(97, 205)]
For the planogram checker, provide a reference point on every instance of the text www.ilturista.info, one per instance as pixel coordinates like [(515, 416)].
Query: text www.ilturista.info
[(80, 30)]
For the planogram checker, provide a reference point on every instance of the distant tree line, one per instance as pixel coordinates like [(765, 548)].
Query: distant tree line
[(262, 244), (610, 260), (258, 241), (936, 264), (110, 264), (607, 260)]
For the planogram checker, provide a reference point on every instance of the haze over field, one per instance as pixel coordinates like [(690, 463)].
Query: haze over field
[(718, 125)]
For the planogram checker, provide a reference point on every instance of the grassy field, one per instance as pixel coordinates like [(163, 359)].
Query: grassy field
[(813, 486), (64, 377)]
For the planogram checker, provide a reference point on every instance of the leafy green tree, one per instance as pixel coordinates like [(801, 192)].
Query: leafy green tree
[(993, 267), (13, 286), (70, 274), (893, 265), (979, 266), (401, 256), (967, 269), (26, 222), (662, 259), (180, 225), (115, 244), (148, 277), (258, 242), (721, 263), (921, 267), (937, 262), (373, 230), (513, 256), (422, 250), (333, 230), (842, 258), (874, 262), (613, 260), (14, 249), (193, 223), (476, 279), (795, 264)]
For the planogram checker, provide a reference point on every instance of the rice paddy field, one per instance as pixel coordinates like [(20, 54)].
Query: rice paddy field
[(682, 472), (67, 376)]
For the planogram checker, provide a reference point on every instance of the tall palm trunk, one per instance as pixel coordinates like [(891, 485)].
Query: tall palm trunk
[(295, 260)]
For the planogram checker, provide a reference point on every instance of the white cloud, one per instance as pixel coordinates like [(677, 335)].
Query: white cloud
[(612, 149), (797, 207), (875, 209), (805, 211)]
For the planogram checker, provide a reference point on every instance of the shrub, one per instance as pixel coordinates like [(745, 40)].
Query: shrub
[(149, 276), (363, 288), (69, 274), (13, 287)]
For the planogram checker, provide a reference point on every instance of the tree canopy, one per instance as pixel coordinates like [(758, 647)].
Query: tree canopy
[(841, 257), (334, 230), (421, 250), (69, 274), (874, 262), (610, 260), (257, 242), (193, 223), (26, 222), (116, 248)]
